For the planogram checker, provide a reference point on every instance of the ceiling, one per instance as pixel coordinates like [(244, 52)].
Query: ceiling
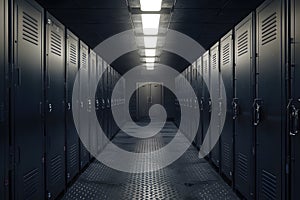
[(206, 21)]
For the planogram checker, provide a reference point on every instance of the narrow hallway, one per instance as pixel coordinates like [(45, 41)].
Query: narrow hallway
[(187, 178)]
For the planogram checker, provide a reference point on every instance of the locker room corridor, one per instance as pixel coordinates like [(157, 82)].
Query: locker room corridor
[(149, 99), (187, 178)]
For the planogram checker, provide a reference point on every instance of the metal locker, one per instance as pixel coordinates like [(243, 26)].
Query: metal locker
[(195, 100), (108, 105), (55, 107), (105, 91), (244, 162), (215, 95), (199, 92), (28, 100), (72, 140), (4, 137), (84, 104), (270, 106), (92, 87), (206, 95), (295, 100), (227, 73)]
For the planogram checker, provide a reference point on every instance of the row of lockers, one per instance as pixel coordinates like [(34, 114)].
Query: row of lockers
[(40, 151), (258, 62)]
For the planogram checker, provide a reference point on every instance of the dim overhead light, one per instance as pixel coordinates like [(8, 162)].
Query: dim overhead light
[(150, 42), (150, 66), (150, 5), (150, 24), (150, 52), (150, 60)]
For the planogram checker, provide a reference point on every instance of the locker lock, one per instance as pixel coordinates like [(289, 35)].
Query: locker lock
[(235, 106), (69, 106), (210, 105), (294, 121), (257, 111), (49, 22)]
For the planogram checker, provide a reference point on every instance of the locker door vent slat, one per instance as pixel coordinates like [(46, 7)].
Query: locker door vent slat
[(30, 31), (243, 43), (214, 61), (269, 29), (226, 54), (226, 155), (242, 167), (268, 185), (84, 60), (31, 184), (56, 169), (73, 156), (205, 66), (73, 54), (56, 44)]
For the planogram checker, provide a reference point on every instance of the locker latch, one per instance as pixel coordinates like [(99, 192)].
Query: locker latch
[(69, 106), (210, 105), (50, 108), (97, 104), (257, 107), (235, 105), (202, 104), (294, 118)]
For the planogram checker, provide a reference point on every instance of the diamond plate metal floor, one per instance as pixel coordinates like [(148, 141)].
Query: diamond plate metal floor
[(187, 178)]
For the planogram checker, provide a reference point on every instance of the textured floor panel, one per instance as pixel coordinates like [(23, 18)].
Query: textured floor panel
[(187, 178)]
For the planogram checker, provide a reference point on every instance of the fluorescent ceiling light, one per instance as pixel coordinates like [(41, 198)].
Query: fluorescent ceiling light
[(150, 60), (150, 52), (150, 66), (150, 24), (150, 5), (150, 42)]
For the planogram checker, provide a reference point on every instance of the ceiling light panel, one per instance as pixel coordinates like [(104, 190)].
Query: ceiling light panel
[(150, 42), (150, 60), (150, 52), (150, 5), (150, 23)]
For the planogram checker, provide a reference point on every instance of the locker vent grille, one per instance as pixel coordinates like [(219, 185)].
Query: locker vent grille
[(269, 29), (73, 54), (56, 43), (73, 156), (30, 29), (268, 185), (84, 60), (226, 155), (226, 54), (242, 167), (31, 184), (56, 169), (214, 61), (242, 47)]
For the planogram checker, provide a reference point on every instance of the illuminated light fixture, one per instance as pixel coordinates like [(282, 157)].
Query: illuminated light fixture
[(150, 24), (150, 42), (150, 66), (150, 5), (150, 52), (150, 60)]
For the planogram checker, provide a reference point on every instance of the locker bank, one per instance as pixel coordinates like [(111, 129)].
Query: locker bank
[(149, 99)]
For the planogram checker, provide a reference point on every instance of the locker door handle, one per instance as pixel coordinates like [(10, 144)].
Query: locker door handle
[(97, 104), (50, 108), (235, 106), (257, 112), (202, 104), (294, 121), (69, 106), (210, 105)]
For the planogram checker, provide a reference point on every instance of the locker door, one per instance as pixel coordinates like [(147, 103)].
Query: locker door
[(3, 99), (109, 82), (295, 137), (72, 140), (244, 92), (270, 106), (28, 98), (92, 83), (215, 95), (55, 107), (105, 91), (99, 94), (227, 72), (199, 77), (83, 111), (206, 95)]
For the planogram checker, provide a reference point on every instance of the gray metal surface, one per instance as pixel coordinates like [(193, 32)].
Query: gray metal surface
[(244, 163), (28, 98), (187, 178), (55, 107)]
